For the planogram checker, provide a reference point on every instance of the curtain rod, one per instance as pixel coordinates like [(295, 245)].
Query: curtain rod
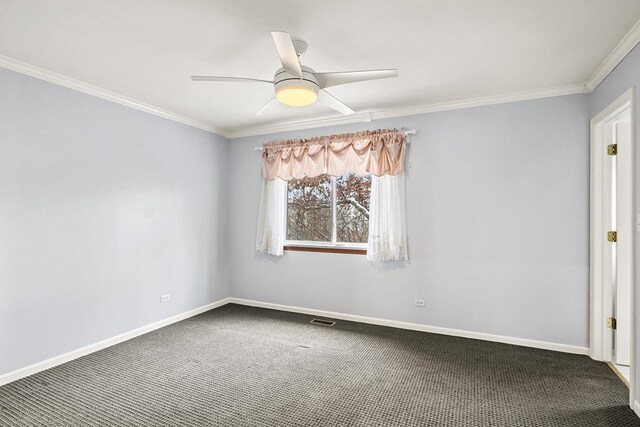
[(407, 132)]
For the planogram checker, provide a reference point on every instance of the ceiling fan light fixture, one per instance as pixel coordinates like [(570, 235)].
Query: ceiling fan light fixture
[(296, 93), (297, 85)]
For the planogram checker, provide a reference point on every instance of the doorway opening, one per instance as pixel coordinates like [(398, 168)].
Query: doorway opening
[(613, 234)]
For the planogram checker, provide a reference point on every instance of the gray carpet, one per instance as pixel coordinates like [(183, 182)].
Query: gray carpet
[(241, 366)]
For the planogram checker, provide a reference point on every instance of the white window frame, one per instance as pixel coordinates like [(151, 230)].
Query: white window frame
[(333, 244)]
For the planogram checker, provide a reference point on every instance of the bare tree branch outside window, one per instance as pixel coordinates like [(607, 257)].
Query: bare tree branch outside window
[(310, 204)]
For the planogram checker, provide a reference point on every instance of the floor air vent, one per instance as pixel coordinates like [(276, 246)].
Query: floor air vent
[(323, 322)]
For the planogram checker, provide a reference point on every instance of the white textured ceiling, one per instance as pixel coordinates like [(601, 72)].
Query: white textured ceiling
[(444, 50)]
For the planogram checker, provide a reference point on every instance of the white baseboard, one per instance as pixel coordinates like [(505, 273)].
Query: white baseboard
[(564, 348), (636, 408), (66, 357)]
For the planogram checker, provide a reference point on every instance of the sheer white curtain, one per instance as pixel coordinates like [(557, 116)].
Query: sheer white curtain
[(387, 222), (272, 217)]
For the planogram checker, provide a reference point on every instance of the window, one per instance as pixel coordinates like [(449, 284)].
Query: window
[(326, 211)]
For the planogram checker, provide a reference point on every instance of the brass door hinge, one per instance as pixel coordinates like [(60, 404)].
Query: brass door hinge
[(612, 149), (611, 323), (612, 236)]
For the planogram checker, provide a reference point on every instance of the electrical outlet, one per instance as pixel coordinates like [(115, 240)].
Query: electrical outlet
[(418, 302), (165, 298)]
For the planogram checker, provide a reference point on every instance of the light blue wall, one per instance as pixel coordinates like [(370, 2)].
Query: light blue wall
[(624, 76), (102, 209), (498, 205)]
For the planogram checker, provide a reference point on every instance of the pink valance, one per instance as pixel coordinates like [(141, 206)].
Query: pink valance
[(379, 152)]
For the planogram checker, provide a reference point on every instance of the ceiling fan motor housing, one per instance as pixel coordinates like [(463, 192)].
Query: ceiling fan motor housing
[(295, 91)]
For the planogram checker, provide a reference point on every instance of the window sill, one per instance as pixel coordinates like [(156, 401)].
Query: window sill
[(325, 249)]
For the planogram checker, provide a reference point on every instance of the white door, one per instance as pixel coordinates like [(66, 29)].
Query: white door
[(622, 209), (611, 264), (612, 209)]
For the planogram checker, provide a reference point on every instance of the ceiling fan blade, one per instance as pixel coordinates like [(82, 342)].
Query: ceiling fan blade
[(287, 52), (270, 103), (342, 77), (331, 101), (226, 79)]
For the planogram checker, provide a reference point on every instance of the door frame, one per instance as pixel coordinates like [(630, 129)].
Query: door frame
[(601, 343)]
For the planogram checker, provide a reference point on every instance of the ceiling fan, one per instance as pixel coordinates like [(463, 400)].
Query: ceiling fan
[(297, 85)]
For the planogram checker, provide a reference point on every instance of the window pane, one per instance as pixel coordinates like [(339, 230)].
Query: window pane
[(353, 194), (309, 209)]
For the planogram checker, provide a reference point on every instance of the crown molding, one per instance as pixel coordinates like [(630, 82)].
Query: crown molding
[(55, 78), (58, 79), (482, 101), (405, 111), (628, 42)]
